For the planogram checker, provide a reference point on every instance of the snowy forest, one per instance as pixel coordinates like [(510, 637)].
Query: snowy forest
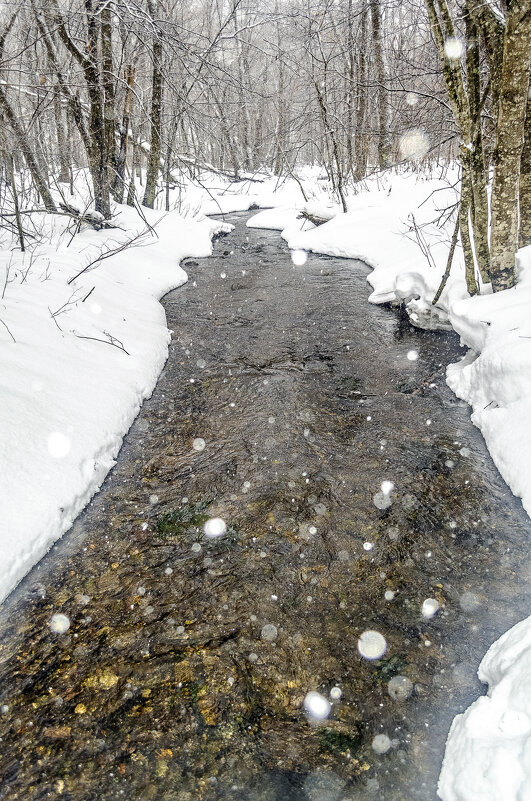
[(121, 89), (263, 540)]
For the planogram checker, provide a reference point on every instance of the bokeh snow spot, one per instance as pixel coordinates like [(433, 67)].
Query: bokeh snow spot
[(59, 623), (215, 527), (414, 144), (299, 257), (382, 500), (381, 744), (430, 607), (400, 688), (269, 632), (372, 644), (316, 705), (453, 47)]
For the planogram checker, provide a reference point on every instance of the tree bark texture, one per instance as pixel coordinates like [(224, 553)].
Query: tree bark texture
[(384, 145), (525, 180), (509, 143), (31, 160), (155, 117)]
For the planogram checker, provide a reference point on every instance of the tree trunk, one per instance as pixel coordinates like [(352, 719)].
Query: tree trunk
[(31, 160), (509, 142), (360, 137), (62, 137), (107, 80), (118, 183), (155, 117), (384, 146), (525, 181), (478, 178)]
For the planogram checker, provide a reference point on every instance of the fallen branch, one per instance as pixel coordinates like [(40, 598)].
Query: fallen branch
[(92, 218), (305, 215), (110, 341), (8, 331)]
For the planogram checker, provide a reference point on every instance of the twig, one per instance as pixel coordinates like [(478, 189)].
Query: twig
[(52, 315), (111, 341), (88, 294), (448, 263), (8, 267), (107, 255), (70, 302), (8, 331), (25, 275), (421, 242)]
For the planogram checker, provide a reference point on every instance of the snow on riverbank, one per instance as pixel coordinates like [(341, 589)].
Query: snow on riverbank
[(488, 754), (78, 359)]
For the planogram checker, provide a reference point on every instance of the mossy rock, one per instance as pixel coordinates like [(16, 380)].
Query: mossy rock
[(182, 519), (339, 742)]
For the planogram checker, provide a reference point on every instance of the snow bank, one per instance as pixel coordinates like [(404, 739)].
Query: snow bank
[(495, 376), (84, 357), (392, 225), (488, 752), (211, 195)]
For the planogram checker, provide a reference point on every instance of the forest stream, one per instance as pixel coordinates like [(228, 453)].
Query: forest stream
[(286, 401)]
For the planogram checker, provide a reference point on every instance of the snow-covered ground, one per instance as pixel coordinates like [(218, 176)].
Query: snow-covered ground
[(77, 360), (488, 752)]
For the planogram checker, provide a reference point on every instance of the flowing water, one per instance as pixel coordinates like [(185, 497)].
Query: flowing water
[(185, 669)]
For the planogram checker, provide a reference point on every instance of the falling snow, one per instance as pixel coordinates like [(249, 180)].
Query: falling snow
[(316, 705), (372, 645)]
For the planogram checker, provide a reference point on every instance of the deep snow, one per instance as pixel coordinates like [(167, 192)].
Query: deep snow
[(67, 394)]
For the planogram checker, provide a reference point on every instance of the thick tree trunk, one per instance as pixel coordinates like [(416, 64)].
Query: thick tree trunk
[(98, 136), (360, 137), (118, 183), (509, 142), (155, 118), (33, 164), (107, 80), (464, 229), (280, 133), (384, 145), (478, 177), (525, 181), (62, 137)]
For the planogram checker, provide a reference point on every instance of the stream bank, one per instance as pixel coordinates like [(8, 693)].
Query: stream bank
[(166, 684)]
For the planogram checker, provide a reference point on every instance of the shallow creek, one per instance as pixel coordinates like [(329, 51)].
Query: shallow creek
[(167, 686)]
